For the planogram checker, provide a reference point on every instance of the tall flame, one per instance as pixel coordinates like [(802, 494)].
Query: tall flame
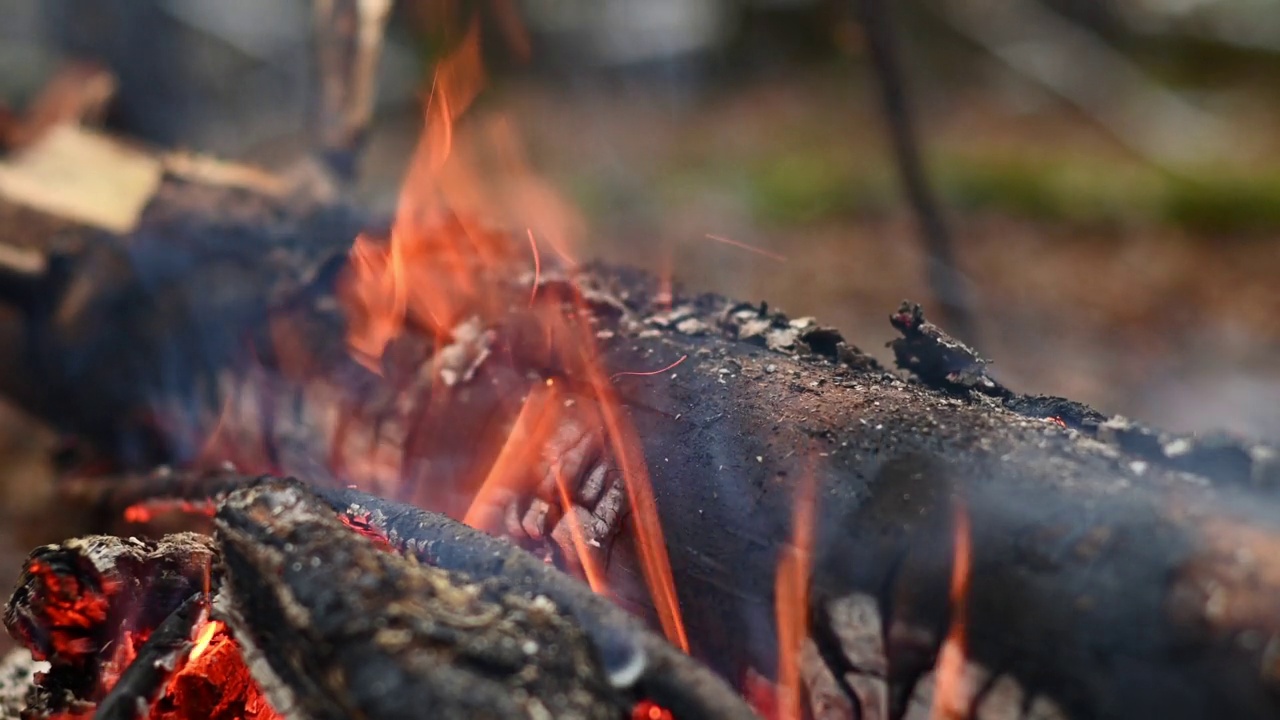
[(438, 268)]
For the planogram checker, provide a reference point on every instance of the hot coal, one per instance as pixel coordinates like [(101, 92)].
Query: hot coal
[(86, 604)]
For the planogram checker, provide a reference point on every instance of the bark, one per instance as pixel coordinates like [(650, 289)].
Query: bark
[(350, 630), (1116, 571)]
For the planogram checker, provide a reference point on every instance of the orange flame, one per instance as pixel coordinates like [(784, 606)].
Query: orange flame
[(791, 601), (509, 475), (949, 687), (438, 268), (593, 573)]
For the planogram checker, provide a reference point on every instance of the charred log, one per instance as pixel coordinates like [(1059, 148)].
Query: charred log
[(632, 658), (142, 682), (332, 623), (353, 631), (84, 604)]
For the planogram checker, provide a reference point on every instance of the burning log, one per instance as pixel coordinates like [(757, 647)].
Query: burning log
[(970, 549), (85, 605), (331, 623)]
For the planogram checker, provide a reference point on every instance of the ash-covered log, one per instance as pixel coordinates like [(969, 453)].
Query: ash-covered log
[(329, 619), (348, 630), (1113, 570)]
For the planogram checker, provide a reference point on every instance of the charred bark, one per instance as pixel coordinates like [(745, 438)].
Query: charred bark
[(1115, 571), (354, 631), (84, 604), (340, 619)]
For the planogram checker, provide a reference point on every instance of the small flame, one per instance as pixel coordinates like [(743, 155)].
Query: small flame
[(949, 687), (212, 628), (791, 601)]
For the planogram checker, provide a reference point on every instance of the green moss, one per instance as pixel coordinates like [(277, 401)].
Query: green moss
[(1225, 203), (808, 187), (809, 182), (1051, 190)]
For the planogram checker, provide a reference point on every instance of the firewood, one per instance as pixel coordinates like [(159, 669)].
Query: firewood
[(1116, 571), (83, 605), (315, 606)]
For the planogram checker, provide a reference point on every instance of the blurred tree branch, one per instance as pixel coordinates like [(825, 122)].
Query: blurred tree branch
[(947, 285)]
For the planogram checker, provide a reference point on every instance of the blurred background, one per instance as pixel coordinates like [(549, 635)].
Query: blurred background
[(1107, 167)]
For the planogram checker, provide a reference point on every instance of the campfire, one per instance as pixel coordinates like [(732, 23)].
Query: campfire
[(438, 467)]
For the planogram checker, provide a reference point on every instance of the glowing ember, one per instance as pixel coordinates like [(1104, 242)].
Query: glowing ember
[(949, 691), (147, 511), (214, 683), (649, 710), (791, 601)]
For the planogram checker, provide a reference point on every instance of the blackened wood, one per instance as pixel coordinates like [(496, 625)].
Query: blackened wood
[(631, 655), (1110, 553), (353, 631), (157, 660), (78, 603), (125, 334), (75, 598)]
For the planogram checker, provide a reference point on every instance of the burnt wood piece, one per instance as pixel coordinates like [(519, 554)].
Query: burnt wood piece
[(1147, 560), (73, 599), (353, 631), (633, 658), (78, 605), (1102, 578), (120, 341), (157, 660)]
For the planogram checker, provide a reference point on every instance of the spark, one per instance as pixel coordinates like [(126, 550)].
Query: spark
[(748, 248), (617, 375)]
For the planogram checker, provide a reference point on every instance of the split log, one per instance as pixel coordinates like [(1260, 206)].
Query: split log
[(1114, 571)]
